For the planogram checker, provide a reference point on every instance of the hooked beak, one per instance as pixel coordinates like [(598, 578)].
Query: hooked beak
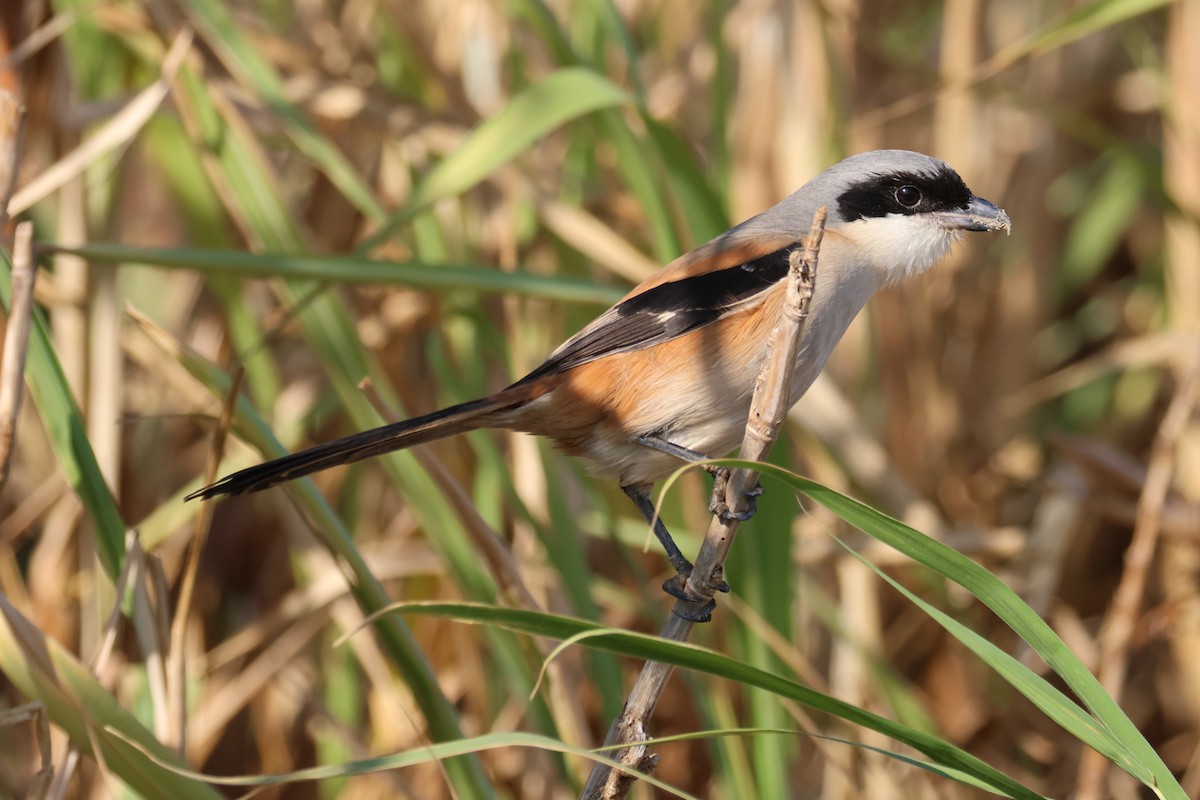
[(979, 215)]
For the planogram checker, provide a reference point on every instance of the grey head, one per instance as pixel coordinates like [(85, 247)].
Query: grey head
[(903, 210)]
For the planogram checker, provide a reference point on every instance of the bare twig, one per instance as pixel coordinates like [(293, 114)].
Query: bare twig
[(16, 343), (1121, 621), (176, 666), (768, 410), (116, 132)]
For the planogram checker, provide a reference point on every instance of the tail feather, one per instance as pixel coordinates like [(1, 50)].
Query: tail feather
[(397, 436)]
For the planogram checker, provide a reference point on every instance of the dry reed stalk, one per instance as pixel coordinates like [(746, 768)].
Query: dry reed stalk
[(768, 410), (105, 371), (176, 667), (131, 577), (16, 343), (850, 676), (827, 412), (40, 38), (1055, 524), (34, 713), (563, 686), (221, 704), (1121, 621), (955, 113), (104, 361), (118, 131), (1179, 566), (597, 241), (16, 337), (12, 132), (1136, 352), (812, 57)]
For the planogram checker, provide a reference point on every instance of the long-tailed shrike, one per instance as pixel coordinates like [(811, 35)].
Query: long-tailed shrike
[(667, 373)]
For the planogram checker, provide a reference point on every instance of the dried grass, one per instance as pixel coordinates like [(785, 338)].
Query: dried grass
[(941, 407)]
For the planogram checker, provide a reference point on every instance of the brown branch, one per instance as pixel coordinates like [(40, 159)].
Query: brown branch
[(768, 409), (176, 663), (1121, 621)]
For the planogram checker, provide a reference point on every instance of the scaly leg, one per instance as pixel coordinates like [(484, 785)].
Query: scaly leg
[(716, 502), (676, 585)]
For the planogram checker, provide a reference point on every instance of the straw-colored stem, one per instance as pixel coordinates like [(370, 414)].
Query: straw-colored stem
[(16, 343)]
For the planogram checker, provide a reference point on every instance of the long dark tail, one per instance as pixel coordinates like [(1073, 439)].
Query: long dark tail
[(397, 436)]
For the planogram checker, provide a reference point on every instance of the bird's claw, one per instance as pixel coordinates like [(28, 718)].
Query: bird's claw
[(698, 607), (717, 581), (718, 506), (701, 614)]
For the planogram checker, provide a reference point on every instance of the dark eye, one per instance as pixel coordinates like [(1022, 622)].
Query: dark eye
[(908, 196)]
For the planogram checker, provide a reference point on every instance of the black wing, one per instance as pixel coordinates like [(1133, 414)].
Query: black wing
[(668, 311)]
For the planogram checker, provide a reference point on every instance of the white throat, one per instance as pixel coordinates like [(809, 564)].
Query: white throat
[(900, 246)]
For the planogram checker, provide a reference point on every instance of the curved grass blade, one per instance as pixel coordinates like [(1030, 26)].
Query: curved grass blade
[(539, 109), (223, 34), (414, 757), (351, 269), (1142, 761), (941, 753), (41, 669), (1056, 705), (56, 405), (1078, 23)]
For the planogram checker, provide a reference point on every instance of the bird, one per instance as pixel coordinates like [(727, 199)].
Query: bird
[(665, 376)]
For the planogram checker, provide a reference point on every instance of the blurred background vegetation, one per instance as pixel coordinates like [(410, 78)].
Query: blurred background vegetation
[(305, 190)]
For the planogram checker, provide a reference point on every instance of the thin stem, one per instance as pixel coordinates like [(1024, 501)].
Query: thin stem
[(768, 410)]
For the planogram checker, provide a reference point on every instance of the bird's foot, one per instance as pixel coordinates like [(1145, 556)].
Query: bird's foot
[(699, 607), (695, 612), (717, 504)]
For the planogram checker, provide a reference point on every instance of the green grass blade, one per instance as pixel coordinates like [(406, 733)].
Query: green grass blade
[(424, 755), (396, 640), (645, 646), (167, 143), (611, 23), (646, 180), (541, 108), (992, 592), (549, 32), (52, 395), (1108, 209), (1056, 705), (222, 33), (766, 583), (702, 207), (41, 669), (1086, 20), (352, 270), (238, 168)]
